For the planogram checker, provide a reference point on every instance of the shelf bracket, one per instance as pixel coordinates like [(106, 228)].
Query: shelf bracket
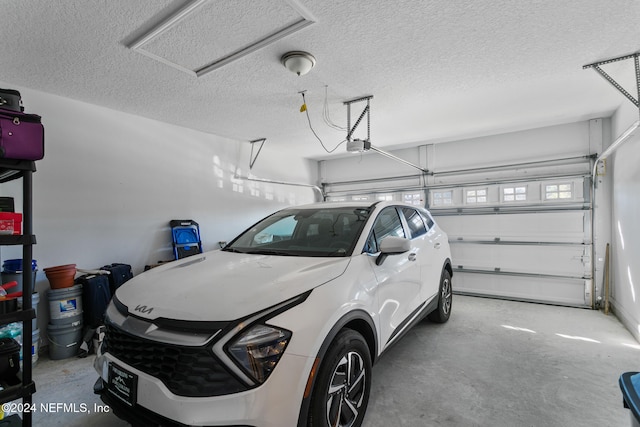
[(252, 158), (607, 77)]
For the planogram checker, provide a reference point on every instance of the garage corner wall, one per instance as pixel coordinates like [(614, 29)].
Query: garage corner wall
[(625, 268), (110, 182)]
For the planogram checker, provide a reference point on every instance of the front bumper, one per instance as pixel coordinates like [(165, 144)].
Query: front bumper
[(275, 403), (138, 416)]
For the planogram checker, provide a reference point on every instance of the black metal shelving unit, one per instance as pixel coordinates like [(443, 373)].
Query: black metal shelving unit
[(22, 387)]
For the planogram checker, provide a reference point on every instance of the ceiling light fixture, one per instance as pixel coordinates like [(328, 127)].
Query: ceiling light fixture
[(298, 62)]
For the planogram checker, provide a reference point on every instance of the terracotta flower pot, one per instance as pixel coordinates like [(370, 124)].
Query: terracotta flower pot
[(61, 276)]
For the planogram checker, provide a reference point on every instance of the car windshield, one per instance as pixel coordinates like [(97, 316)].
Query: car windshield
[(318, 232)]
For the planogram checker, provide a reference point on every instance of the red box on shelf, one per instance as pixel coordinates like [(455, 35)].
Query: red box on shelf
[(10, 223)]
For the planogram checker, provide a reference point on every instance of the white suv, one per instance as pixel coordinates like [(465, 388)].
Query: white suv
[(281, 327)]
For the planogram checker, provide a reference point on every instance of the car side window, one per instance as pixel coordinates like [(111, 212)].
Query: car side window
[(371, 247), (415, 222), (428, 220), (386, 224)]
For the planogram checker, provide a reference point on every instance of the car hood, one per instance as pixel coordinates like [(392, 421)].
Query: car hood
[(224, 286)]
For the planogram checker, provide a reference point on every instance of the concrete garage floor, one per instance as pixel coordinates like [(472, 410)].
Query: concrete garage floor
[(495, 363)]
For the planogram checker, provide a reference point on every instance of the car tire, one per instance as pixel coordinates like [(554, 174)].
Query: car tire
[(445, 298), (343, 384)]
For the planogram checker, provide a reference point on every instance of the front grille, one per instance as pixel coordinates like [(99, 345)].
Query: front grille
[(186, 371)]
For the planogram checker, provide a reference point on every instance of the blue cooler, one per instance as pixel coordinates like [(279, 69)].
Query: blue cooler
[(630, 386), (12, 270)]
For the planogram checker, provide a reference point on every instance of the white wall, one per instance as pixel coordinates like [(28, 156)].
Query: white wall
[(568, 140), (625, 268), (110, 182)]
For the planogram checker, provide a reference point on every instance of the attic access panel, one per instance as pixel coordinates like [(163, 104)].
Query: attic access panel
[(205, 35)]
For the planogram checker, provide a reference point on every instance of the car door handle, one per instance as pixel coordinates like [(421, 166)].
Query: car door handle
[(437, 245), (412, 256)]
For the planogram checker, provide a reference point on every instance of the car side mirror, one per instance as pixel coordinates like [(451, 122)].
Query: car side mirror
[(392, 245)]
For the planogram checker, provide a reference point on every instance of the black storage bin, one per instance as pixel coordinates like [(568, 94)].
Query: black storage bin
[(7, 204), (11, 421), (9, 358)]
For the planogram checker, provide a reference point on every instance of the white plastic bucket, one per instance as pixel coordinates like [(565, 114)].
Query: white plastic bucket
[(35, 346), (64, 340), (35, 299), (65, 305)]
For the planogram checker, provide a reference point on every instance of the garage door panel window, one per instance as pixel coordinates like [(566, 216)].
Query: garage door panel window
[(514, 194), (476, 196), (415, 199), (558, 192), (442, 198)]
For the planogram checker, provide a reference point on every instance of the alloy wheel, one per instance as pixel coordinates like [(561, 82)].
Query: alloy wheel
[(347, 390), (445, 295)]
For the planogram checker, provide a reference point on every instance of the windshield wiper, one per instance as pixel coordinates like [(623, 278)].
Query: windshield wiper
[(269, 252), (233, 250)]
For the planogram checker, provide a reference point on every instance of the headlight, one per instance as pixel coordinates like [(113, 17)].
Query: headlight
[(258, 350)]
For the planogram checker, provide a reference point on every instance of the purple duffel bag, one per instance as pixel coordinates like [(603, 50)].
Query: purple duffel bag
[(21, 135)]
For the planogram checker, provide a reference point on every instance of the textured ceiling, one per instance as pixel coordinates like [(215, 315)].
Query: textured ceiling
[(438, 70)]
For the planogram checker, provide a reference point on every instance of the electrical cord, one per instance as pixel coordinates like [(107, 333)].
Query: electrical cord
[(325, 112), (306, 111)]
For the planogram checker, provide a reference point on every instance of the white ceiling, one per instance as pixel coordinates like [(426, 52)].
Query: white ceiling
[(438, 70)]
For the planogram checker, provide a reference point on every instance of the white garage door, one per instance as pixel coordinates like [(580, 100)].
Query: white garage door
[(527, 240), (516, 206), (523, 240)]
